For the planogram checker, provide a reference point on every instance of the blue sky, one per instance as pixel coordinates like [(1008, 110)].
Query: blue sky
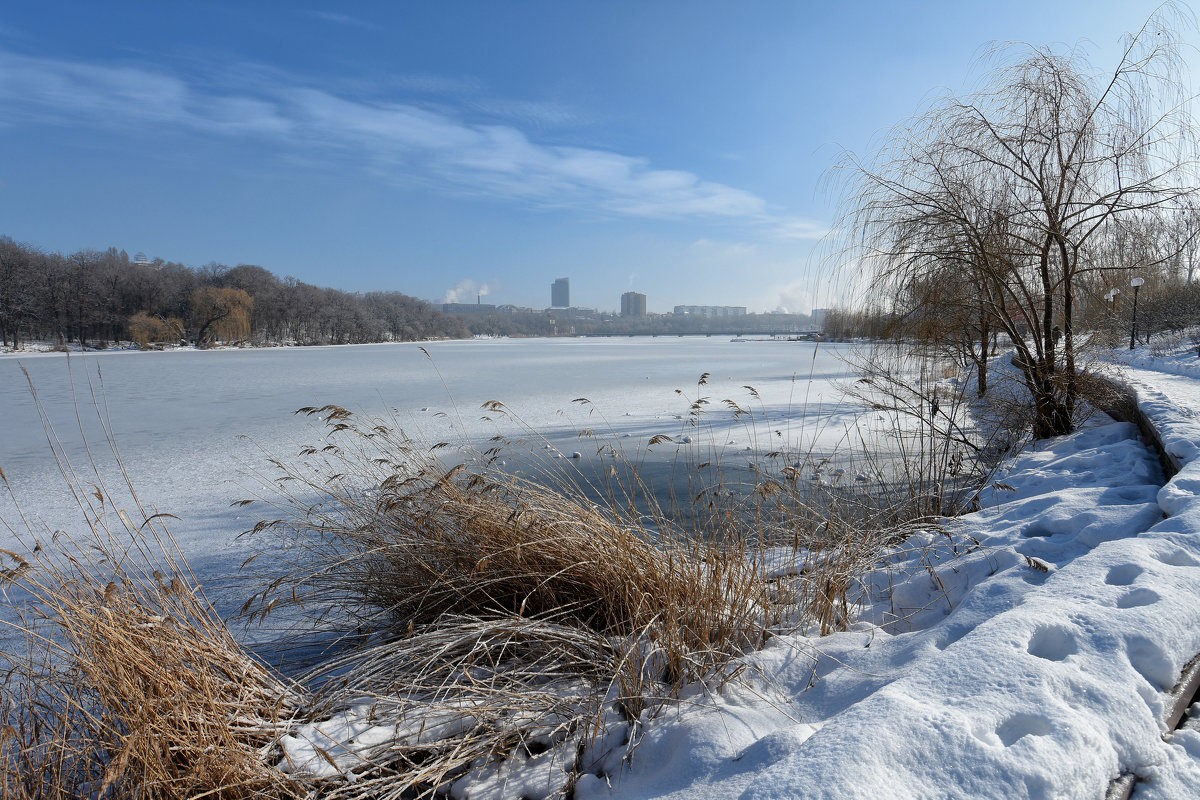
[(451, 149)]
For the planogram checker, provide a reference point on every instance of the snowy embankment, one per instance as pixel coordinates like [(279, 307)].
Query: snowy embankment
[(1027, 651)]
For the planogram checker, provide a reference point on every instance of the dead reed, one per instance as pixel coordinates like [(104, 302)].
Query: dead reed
[(390, 538), (130, 684), (524, 613), (133, 687)]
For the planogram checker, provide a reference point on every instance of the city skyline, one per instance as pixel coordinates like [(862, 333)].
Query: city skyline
[(631, 303), (476, 150)]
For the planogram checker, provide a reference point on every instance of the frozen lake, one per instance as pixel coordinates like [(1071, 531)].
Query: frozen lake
[(194, 426)]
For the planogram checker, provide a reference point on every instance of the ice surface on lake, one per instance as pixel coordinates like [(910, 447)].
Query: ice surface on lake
[(193, 427)]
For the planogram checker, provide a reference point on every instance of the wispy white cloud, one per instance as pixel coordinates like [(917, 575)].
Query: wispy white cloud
[(387, 129), (44, 90), (431, 84), (399, 139), (343, 19), (539, 114), (804, 229), (723, 251)]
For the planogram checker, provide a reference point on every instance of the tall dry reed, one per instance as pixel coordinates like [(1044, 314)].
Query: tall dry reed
[(126, 682)]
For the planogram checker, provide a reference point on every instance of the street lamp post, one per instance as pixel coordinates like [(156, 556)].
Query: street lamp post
[(1136, 283), (1111, 297)]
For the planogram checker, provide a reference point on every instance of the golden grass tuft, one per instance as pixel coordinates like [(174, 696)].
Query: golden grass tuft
[(391, 539), (532, 612), (130, 684), (134, 687)]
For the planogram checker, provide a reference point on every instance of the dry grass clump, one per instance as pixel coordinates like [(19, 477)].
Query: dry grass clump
[(133, 687), (389, 538), (460, 697), (527, 614), (130, 684)]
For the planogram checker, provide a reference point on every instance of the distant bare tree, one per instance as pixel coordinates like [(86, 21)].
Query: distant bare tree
[(146, 330), (1013, 189), (18, 301), (81, 300), (221, 314)]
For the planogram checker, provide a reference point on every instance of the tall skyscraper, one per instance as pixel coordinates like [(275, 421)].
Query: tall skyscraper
[(560, 293), (633, 304)]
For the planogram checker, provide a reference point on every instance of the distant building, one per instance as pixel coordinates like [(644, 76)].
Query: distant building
[(560, 293), (818, 316), (633, 304), (710, 312), (468, 309)]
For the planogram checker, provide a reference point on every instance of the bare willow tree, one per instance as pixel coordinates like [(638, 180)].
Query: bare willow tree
[(221, 314), (1013, 189), (947, 305)]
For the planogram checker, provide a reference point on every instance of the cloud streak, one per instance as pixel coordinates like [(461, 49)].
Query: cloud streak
[(395, 139), (343, 19)]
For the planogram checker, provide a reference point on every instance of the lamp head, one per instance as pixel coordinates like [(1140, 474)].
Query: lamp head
[(1136, 282)]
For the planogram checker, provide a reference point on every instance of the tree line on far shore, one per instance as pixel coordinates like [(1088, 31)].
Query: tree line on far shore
[(99, 297)]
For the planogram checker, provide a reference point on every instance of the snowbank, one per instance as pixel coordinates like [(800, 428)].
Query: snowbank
[(1024, 655), (1023, 651), (1030, 652)]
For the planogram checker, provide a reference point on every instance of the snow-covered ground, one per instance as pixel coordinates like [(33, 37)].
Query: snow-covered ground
[(1029, 653)]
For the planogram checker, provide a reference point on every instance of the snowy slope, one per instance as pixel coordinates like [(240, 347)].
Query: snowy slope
[(986, 676)]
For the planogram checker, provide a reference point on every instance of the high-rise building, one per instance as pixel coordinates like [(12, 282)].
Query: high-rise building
[(633, 304), (560, 293)]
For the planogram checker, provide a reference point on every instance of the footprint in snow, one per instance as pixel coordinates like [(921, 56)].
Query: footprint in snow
[(1017, 727), (1150, 661), (1138, 597), (1178, 558), (1053, 643), (1123, 574)]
